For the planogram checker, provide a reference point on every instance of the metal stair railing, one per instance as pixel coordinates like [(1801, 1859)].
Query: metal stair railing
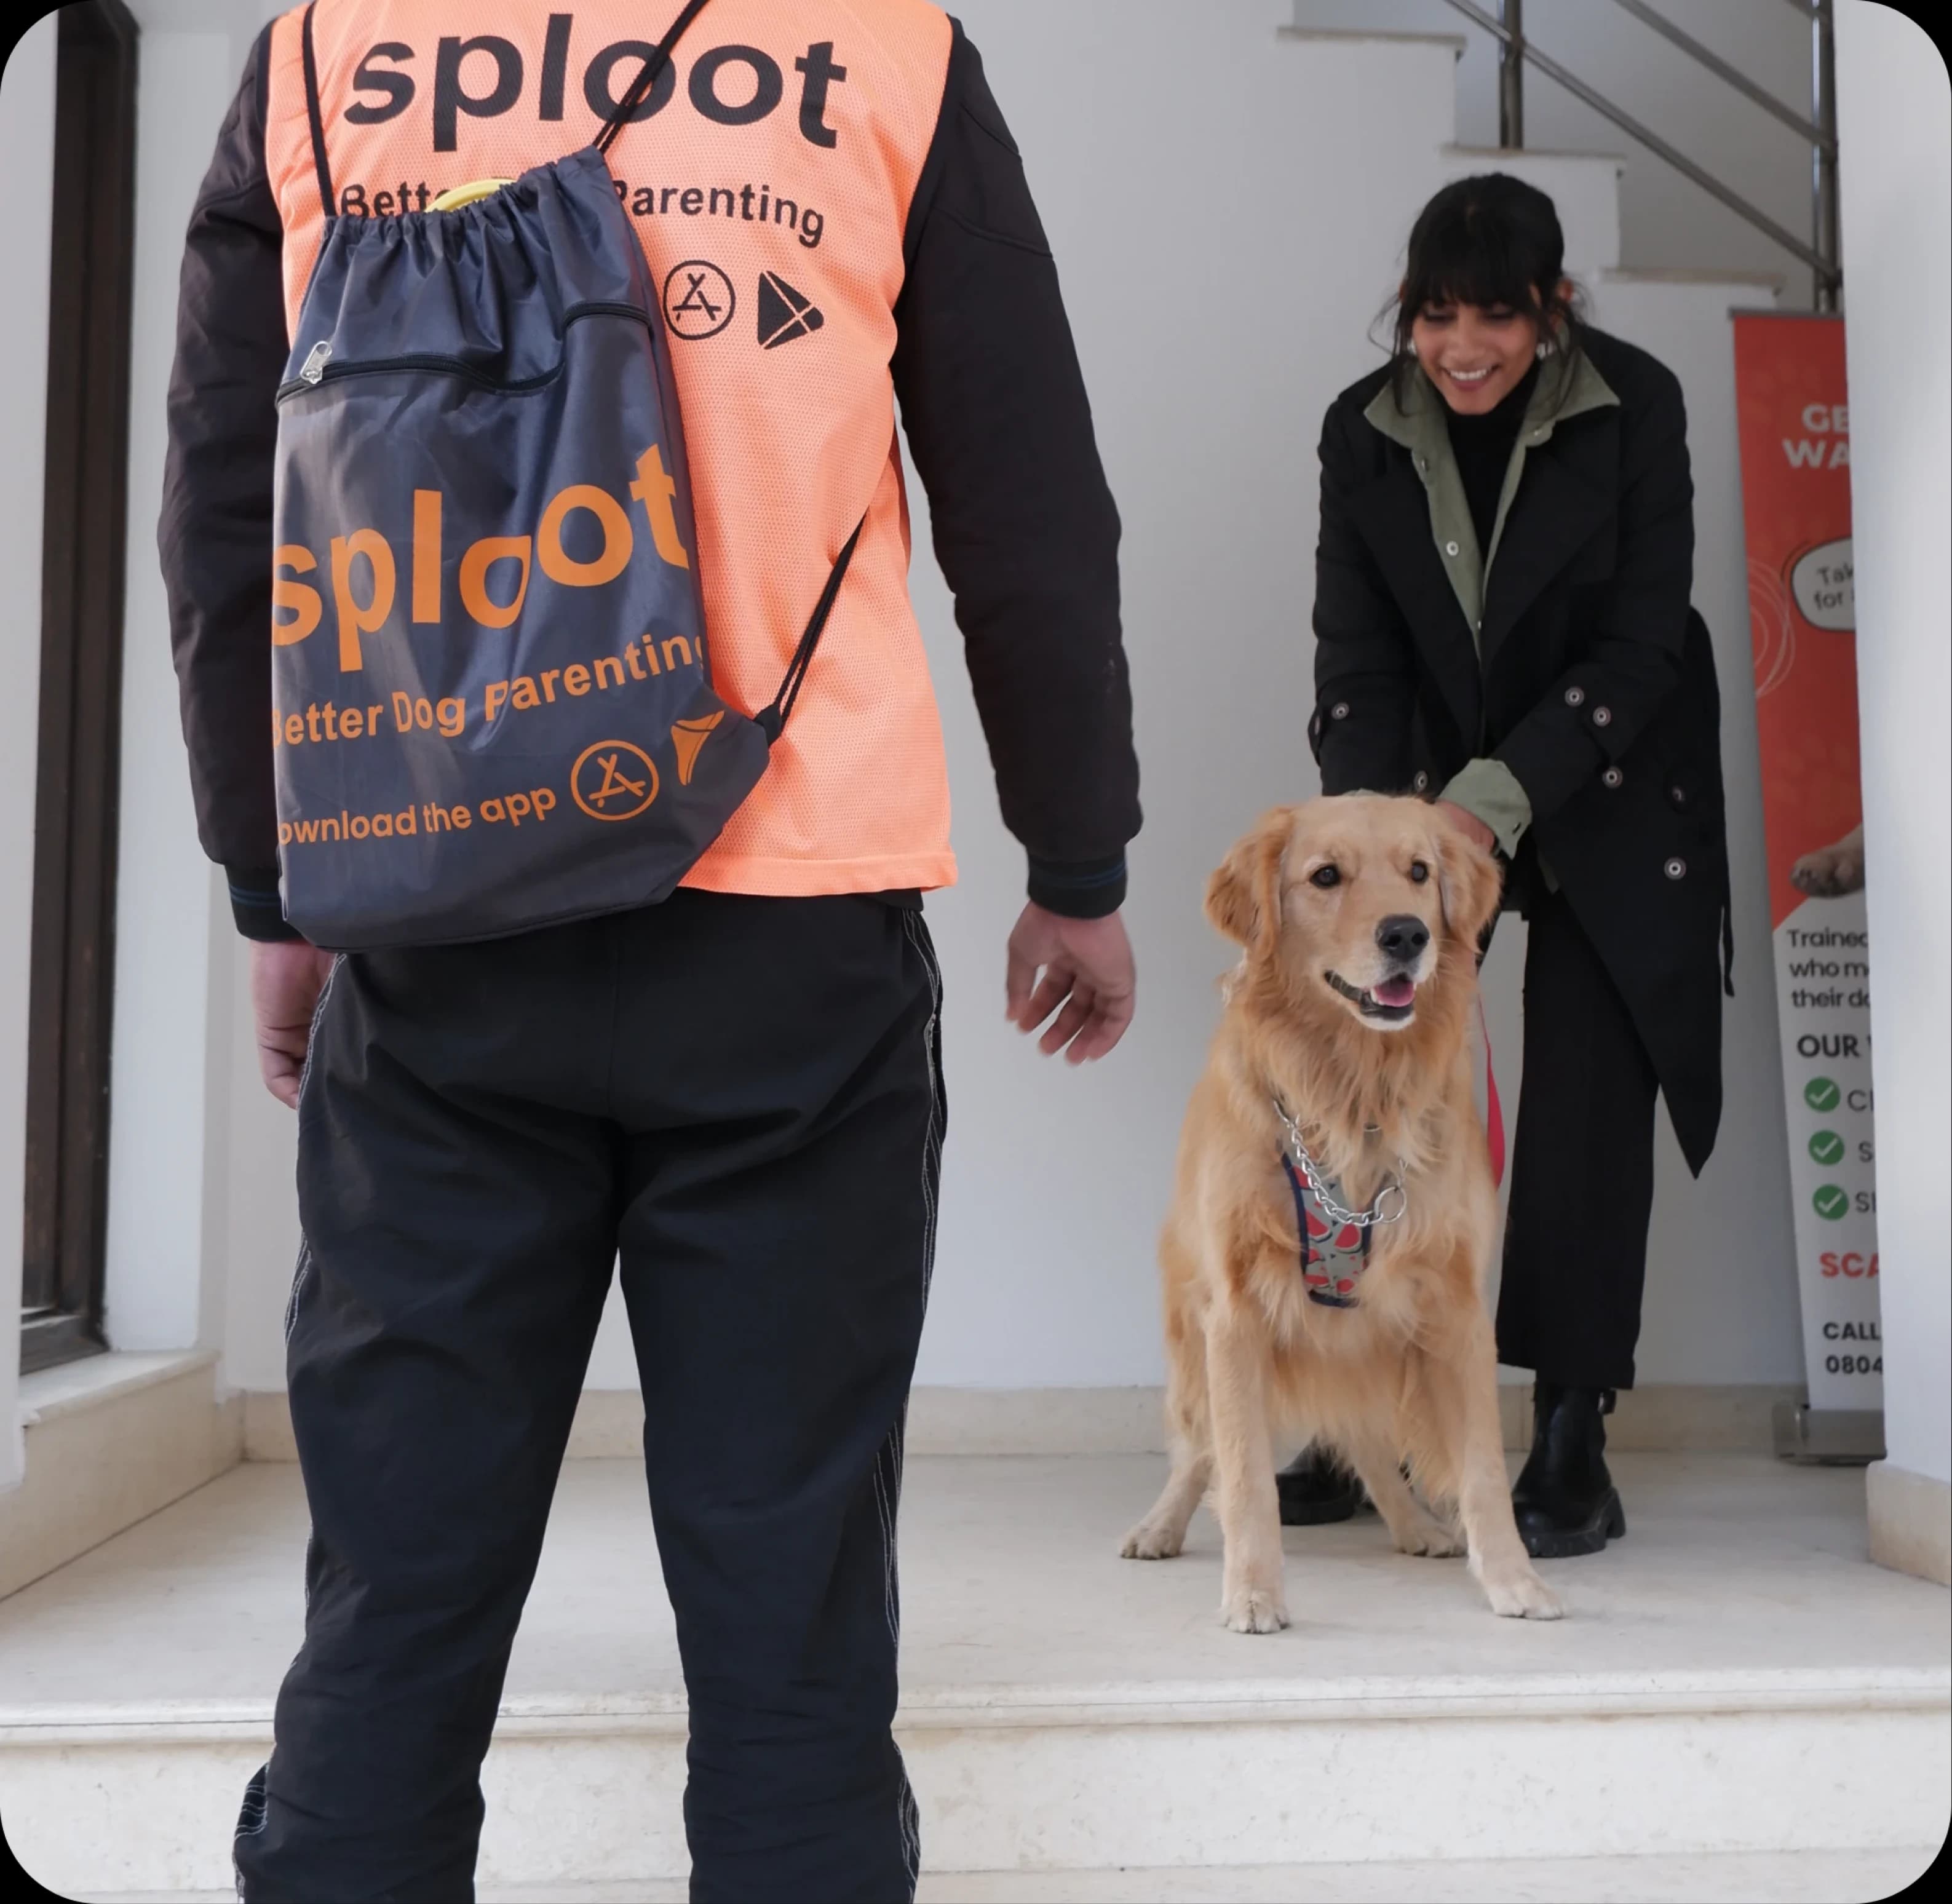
[(1819, 128)]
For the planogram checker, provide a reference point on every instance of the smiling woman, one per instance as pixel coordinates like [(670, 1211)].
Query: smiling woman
[(1482, 299), (1502, 623)]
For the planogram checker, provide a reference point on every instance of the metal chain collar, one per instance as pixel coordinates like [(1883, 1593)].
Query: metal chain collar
[(1324, 1187)]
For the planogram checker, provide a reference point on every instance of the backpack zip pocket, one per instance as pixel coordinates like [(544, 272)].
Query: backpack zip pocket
[(319, 368)]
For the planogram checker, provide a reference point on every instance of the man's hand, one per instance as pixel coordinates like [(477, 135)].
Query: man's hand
[(1468, 824), (286, 976), (1086, 967)]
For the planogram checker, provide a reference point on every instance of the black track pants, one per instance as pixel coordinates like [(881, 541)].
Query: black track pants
[(1582, 1167), (740, 1100)]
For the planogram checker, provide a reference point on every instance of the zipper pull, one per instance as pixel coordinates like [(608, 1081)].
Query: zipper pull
[(314, 364)]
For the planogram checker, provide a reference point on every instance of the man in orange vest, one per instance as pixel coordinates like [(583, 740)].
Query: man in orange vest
[(734, 1097)]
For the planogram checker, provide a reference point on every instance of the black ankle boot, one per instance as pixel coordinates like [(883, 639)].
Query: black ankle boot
[(1564, 1501), (1314, 1488)]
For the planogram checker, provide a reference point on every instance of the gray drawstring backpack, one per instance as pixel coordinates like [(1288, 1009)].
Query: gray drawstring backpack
[(492, 707)]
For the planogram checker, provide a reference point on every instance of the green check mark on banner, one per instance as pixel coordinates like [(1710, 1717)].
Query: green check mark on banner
[(1821, 1094), (1827, 1147), (1831, 1202)]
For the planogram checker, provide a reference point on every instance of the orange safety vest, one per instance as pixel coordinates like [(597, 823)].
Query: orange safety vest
[(769, 181)]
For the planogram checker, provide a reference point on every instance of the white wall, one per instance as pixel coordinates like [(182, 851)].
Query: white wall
[(27, 162), (1896, 126), (246, 1212), (1666, 220), (171, 1210), (1223, 258), (158, 1253)]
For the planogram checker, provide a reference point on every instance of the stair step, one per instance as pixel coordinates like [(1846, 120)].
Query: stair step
[(1773, 282), (1784, 1877), (1417, 73), (1737, 1667), (1454, 43), (1058, 1779)]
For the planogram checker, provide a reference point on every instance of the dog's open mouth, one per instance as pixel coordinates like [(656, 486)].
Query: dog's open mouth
[(1393, 1001)]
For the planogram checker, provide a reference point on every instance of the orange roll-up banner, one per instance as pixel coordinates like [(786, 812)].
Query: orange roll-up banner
[(1795, 427)]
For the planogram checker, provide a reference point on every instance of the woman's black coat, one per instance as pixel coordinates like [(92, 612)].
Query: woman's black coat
[(1597, 688)]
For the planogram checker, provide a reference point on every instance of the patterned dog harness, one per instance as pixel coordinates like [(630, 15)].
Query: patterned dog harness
[(1334, 1239)]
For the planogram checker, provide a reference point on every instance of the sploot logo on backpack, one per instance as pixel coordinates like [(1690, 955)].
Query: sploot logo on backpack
[(362, 563), (584, 539)]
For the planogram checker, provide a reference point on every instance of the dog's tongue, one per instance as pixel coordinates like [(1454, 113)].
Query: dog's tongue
[(1394, 992)]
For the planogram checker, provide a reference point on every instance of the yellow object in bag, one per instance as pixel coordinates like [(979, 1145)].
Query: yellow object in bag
[(456, 196)]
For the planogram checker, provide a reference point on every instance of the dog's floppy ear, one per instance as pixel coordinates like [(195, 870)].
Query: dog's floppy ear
[(1244, 896), (1469, 882)]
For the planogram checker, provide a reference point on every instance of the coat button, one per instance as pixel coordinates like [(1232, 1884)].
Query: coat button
[(1575, 697), (1339, 711), (1675, 869), (1678, 795), (1421, 781), (1611, 777), (1603, 717), (1451, 549)]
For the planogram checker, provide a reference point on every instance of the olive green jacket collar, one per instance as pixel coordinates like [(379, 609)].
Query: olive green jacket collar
[(1419, 426)]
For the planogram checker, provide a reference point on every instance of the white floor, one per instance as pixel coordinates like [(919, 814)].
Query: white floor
[(1010, 1574), (1742, 1592)]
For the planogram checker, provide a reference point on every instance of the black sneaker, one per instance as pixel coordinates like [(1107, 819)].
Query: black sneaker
[(1315, 1489)]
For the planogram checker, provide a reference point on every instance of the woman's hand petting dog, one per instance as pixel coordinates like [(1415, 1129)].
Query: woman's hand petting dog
[(1087, 978)]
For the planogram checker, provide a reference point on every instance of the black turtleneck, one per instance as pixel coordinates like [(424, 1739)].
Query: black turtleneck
[(1483, 447)]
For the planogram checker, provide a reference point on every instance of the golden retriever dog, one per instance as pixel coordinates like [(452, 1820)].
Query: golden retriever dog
[(1342, 1066)]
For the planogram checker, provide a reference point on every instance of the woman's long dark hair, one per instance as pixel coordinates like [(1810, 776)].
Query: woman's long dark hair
[(1490, 240)]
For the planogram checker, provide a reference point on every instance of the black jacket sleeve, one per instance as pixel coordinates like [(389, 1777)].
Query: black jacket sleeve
[(215, 534), (1025, 528), (1632, 661), (1365, 666)]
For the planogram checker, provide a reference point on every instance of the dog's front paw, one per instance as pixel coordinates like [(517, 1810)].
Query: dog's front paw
[(1253, 1609), (1518, 1593), (1830, 872), (1152, 1540), (1427, 1536)]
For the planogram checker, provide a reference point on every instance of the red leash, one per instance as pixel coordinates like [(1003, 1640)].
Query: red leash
[(1494, 1112)]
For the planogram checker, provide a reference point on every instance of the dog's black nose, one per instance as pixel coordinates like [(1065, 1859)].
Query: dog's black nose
[(1402, 936)]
